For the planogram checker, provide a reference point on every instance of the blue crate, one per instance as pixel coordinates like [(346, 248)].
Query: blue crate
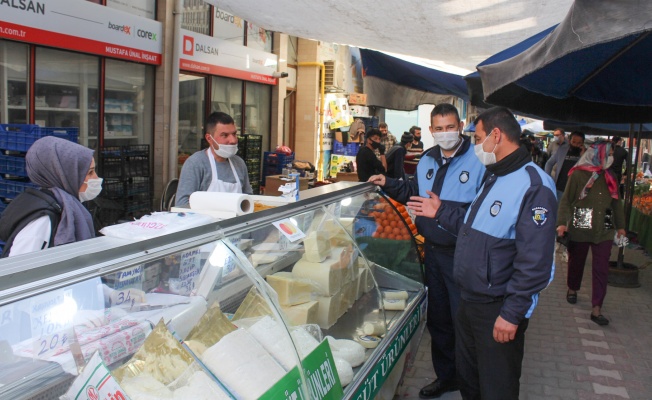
[(272, 158), (20, 137), (11, 189), (350, 149), (12, 165)]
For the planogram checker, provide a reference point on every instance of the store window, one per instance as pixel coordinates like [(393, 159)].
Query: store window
[(128, 103), (257, 112), (66, 92), (13, 82), (196, 16), (226, 96), (228, 27), (141, 8), (259, 38), (192, 89)]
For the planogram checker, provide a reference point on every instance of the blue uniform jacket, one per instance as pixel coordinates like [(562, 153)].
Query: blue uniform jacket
[(456, 183), (506, 243)]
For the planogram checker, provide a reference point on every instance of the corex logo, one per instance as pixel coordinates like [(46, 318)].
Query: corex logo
[(188, 45), (122, 28)]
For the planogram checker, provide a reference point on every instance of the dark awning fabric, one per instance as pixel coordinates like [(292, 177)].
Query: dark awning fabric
[(393, 83)]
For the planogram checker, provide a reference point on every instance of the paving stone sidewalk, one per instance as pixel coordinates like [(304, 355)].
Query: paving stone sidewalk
[(567, 356)]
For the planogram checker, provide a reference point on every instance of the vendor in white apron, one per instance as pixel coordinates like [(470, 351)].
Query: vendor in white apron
[(218, 168)]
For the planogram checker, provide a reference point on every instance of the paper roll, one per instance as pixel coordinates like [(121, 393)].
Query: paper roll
[(237, 203)]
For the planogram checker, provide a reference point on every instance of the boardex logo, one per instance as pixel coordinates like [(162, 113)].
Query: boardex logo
[(122, 28)]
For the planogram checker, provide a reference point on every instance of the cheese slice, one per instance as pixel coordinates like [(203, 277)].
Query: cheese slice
[(317, 246), (326, 276), (329, 309), (290, 290), (302, 314)]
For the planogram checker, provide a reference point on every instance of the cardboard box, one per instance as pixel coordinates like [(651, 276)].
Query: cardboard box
[(273, 182), (358, 98), (346, 176), (359, 111)]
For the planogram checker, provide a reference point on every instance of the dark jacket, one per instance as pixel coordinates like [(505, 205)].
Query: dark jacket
[(395, 158), (506, 242)]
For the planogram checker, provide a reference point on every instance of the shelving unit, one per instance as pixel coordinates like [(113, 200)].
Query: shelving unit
[(249, 149)]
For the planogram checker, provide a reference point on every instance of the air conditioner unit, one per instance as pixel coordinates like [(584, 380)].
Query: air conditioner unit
[(334, 71)]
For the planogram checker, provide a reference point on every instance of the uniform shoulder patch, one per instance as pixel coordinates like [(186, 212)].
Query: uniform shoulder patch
[(430, 174), (495, 208), (539, 215), (464, 176)]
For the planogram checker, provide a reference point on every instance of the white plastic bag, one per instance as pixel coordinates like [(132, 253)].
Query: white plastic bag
[(156, 224)]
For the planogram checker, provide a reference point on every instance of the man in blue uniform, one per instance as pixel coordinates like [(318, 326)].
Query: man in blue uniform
[(453, 172), (504, 257)]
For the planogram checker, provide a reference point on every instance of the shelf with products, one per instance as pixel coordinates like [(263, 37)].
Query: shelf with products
[(206, 284)]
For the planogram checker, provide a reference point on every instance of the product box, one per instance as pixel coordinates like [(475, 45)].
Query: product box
[(358, 99), (337, 161), (273, 182), (359, 111), (346, 176)]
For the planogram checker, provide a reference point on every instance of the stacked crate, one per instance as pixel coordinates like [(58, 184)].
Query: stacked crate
[(249, 149), (273, 163), (127, 183), (15, 140)]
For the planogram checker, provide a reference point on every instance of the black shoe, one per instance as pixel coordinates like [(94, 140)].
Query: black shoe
[(600, 320), (437, 388), (571, 297)]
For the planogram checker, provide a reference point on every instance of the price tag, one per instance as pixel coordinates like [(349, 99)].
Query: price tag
[(189, 271), (129, 278), (51, 320), (289, 230)]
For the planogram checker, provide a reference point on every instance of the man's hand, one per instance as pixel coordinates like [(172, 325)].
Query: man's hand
[(504, 331), (425, 206), (621, 232), (378, 180), (561, 229)]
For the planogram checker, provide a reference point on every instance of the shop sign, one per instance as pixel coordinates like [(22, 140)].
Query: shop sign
[(380, 371), (208, 55), (321, 378), (83, 26)]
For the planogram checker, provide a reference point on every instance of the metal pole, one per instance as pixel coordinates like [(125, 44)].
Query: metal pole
[(173, 147)]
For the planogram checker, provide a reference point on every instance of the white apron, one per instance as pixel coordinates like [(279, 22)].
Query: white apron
[(221, 186)]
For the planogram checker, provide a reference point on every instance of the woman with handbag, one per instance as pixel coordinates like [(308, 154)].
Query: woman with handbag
[(590, 212)]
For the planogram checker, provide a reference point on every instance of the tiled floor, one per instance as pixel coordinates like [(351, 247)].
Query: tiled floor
[(569, 357)]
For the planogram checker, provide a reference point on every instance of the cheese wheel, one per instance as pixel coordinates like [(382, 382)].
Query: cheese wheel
[(317, 246), (329, 310), (395, 294), (290, 290), (302, 314), (368, 341)]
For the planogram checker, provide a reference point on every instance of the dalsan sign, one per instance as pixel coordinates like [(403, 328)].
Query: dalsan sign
[(82, 26), (208, 55)]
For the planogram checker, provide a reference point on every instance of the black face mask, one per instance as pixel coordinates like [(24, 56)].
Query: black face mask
[(574, 151), (375, 145), (417, 139)]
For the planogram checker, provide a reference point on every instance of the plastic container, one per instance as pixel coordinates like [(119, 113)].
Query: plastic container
[(12, 165), (272, 158), (11, 189), (20, 137)]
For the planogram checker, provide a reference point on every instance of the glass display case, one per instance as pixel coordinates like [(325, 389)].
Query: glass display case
[(282, 303)]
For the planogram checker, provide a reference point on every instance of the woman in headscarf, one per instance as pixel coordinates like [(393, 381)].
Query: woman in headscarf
[(590, 211), (67, 171)]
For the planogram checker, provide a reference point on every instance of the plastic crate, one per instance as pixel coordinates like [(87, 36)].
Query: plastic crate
[(282, 160), (141, 150), (272, 170), (12, 165), (138, 185), (136, 166), (10, 189), (350, 149), (20, 137)]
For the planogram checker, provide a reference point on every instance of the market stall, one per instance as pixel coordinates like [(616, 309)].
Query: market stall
[(283, 303), (641, 217)]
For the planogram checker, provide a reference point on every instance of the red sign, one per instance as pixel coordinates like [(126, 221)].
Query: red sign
[(63, 41)]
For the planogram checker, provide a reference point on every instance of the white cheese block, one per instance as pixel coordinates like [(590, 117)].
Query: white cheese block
[(329, 310), (302, 314), (200, 387), (145, 387), (317, 246), (275, 340), (264, 258), (304, 341), (373, 328), (325, 276), (243, 365), (344, 371), (343, 254), (290, 290), (348, 295), (395, 305), (395, 294), (350, 351)]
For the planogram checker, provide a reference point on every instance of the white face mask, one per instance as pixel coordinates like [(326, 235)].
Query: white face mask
[(225, 150), (484, 157), (446, 140), (93, 189)]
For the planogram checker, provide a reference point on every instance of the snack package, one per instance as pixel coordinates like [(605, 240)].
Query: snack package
[(95, 382)]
